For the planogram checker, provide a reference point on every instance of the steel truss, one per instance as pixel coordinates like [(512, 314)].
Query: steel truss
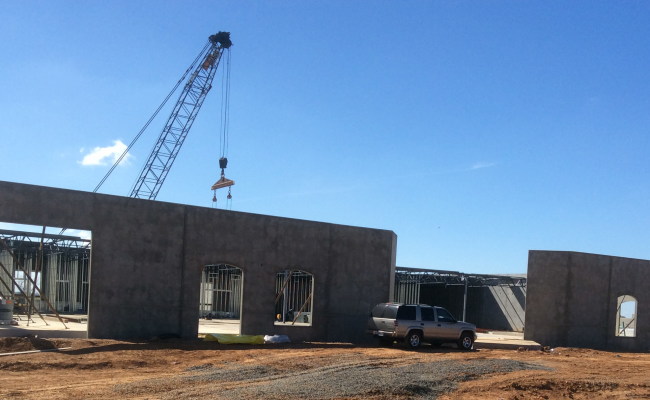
[(430, 276)]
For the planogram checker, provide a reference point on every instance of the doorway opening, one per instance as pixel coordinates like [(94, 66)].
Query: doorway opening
[(221, 296)]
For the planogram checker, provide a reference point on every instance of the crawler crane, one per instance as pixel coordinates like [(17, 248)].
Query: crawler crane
[(180, 121)]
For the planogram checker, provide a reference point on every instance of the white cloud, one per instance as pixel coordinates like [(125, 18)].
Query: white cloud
[(481, 165), (101, 155)]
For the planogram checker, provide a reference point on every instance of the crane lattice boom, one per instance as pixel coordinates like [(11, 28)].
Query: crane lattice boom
[(180, 121)]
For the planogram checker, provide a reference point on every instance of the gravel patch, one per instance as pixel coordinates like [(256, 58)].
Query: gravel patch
[(249, 373), (368, 378)]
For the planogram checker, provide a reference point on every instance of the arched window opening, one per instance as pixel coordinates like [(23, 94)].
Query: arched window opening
[(294, 298), (626, 312)]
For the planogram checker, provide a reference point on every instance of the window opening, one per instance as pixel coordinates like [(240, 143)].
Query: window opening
[(221, 292), (294, 298), (626, 313), (220, 299)]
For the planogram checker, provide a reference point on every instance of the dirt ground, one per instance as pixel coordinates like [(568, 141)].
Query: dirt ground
[(175, 369)]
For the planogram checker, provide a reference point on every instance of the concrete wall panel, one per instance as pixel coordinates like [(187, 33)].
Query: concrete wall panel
[(572, 296), (587, 320), (546, 300), (147, 259)]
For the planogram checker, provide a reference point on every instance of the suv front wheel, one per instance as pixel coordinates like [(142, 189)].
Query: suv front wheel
[(414, 339), (466, 341)]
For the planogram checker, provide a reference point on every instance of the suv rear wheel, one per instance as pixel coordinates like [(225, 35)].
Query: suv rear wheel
[(466, 341), (414, 339)]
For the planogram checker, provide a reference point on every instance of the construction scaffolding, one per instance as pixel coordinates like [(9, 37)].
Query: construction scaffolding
[(44, 273)]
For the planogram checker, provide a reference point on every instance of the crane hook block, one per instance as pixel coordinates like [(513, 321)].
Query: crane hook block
[(223, 38), (223, 162)]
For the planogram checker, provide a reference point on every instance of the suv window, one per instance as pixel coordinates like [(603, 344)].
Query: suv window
[(427, 314), (384, 311), (406, 313), (389, 312), (444, 315), (378, 310)]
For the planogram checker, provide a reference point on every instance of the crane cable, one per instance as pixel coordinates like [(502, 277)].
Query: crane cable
[(226, 118), (146, 125), (224, 127), (225, 107)]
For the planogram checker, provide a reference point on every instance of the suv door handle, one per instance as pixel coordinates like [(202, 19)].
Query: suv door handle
[(421, 323)]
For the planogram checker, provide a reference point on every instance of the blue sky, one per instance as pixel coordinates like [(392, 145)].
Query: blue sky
[(475, 131)]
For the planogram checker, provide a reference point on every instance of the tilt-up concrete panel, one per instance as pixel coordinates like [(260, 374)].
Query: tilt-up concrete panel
[(572, 299), (147, 258)]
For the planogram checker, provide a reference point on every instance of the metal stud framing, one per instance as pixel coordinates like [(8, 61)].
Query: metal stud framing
[(294, 294), (45, 272), (221, 292)]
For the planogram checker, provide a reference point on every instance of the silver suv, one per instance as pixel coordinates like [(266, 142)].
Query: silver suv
[(417, 323)]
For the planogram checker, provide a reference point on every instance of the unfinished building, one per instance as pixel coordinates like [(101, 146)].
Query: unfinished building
[(157, 267), (494, 302), (588, 300), (44, 273)]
